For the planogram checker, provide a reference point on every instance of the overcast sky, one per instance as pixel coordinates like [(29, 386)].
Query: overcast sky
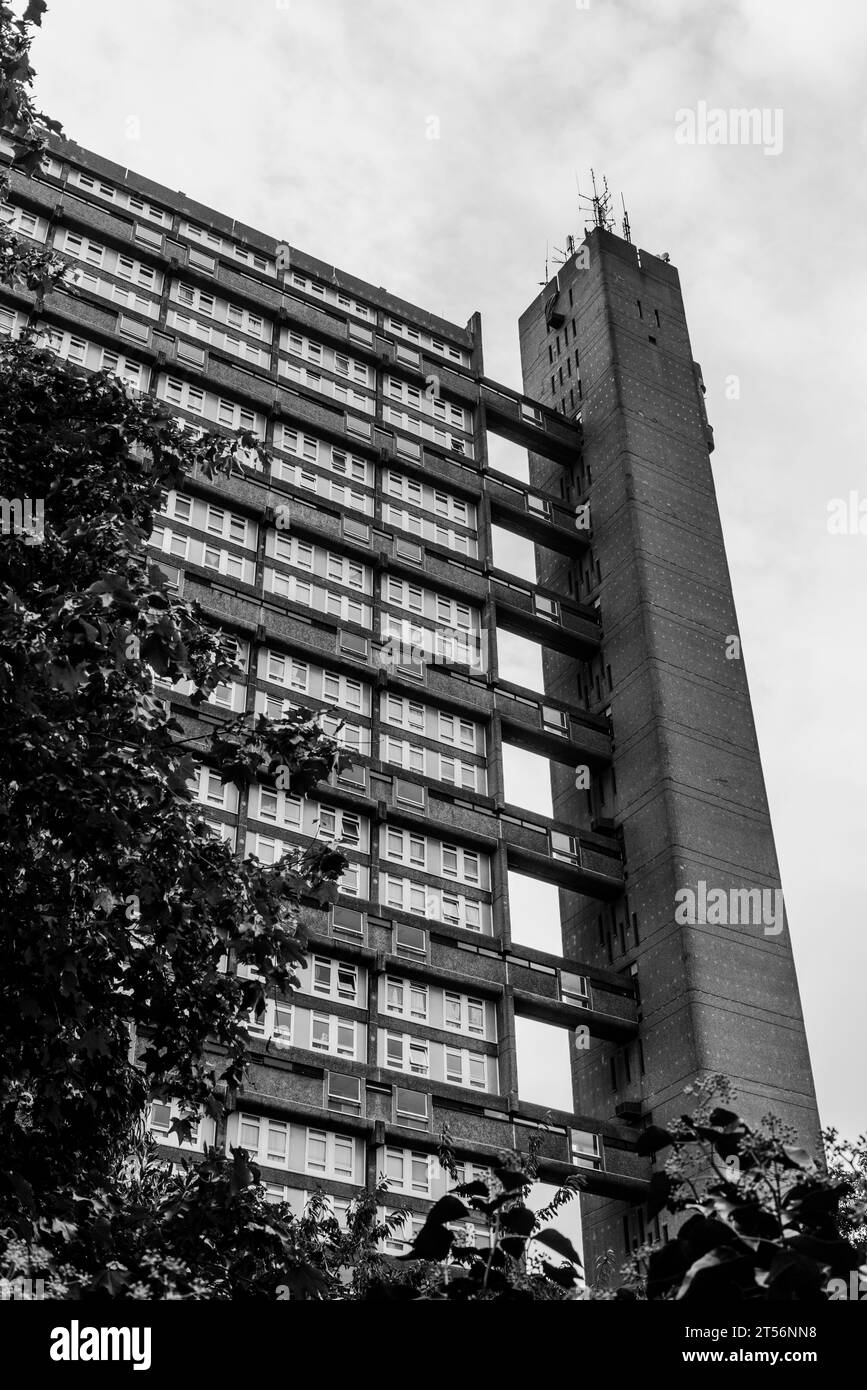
[(310, 119)]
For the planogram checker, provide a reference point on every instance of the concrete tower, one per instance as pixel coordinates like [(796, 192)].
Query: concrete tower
[(607, 342)]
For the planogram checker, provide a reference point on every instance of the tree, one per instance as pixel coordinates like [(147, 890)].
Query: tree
[(119, 910), (203, 1231), (21, 263), (117, 904), (765, 1215), (847, 1165)]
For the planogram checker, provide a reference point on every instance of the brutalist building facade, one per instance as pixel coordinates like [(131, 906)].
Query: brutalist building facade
[(357, 575)]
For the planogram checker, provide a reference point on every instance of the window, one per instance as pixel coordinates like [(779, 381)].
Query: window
[(283, 1021), (408, 1171), (288, 671), (353, 645), (344, 1093), (334, 978), (405, 713), (347, 982), (131, 328), (403, 1052), (409, 794), (331, 1034), (405, 848), (410, 1108), (348, 921), (198, 259), (464, 1068), (339, 826), (266, 1140), (463, 1014), (406, 998), (409, 941), (214, 789), (471, 867), (454, 1066), (475, 1016), (330, 1155), (188, 352), (586, 1149), (574, 989), (463, 864), (277, 807), (478, 1071), (160, 1119), (162, 1115), (272, 1020), (566, 847), (147, 236), (547, 607), (277, 1193)]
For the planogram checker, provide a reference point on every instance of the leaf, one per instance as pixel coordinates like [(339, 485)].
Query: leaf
[(34, 12), (837, 1254), (473, 1189), (448, 1208), (513, 1245), (720, 1118), (518, 1220), (721, 1273), (560, 1244), (511, 1178), (564, 1275), (433, 1242), (112, 1280), (702, 1233), (811, 1201), (182, 1126), (798, 1158), (751, 1220), (726, 1144), (242, 1175)]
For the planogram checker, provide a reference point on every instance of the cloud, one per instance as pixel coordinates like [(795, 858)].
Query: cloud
[(309, 121)]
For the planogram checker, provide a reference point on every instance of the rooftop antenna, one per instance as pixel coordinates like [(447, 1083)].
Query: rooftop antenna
[(544, 282), (599, 205), (568, 253), (627, 230)]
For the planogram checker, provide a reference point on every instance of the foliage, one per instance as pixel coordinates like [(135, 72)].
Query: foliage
[(201, 1230), (118, 908), (116, 902), (847, 1164), (764, 1214), (37, 268), (443, 1264)]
